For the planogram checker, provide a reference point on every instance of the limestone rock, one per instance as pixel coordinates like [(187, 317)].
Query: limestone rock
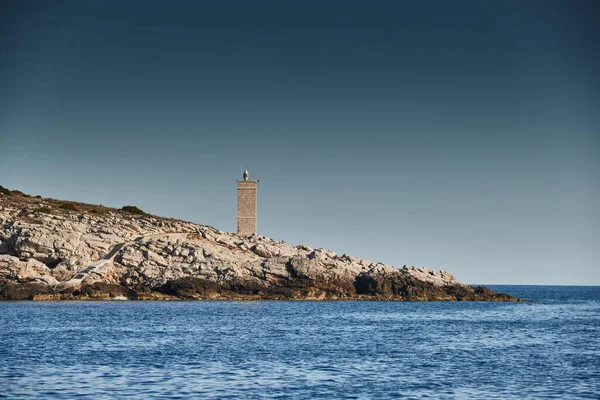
[(66, 254), (11, 268)]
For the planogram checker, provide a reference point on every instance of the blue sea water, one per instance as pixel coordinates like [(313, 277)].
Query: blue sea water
[(548, 347)]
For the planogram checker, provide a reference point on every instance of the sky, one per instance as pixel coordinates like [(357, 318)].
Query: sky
[(462, 135)]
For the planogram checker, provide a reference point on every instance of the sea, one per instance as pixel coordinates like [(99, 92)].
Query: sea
[(545, 348)]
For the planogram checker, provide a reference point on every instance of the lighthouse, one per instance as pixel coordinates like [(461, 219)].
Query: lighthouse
[(246, 210)]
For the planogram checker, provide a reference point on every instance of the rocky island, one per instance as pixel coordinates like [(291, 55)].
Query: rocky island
[(61, 250)]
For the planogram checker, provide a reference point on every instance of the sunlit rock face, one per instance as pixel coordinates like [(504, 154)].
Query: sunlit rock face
[(57, 250)]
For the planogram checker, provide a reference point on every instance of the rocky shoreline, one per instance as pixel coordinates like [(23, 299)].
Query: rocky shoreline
[(59, 250), (198, 289)]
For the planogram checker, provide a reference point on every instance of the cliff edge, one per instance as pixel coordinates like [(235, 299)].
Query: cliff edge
[(52, 249)]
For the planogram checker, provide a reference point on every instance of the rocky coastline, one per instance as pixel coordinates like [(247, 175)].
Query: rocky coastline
[(60, 250)]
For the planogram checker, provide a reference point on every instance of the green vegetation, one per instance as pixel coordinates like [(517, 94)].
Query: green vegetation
[(68, 207), (133, 210), (9, 192), (65, 205)]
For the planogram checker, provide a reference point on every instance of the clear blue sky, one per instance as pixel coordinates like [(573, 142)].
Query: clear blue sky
[(457, 135)]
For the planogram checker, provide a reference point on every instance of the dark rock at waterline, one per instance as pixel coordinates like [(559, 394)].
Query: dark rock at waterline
[(51, 251)]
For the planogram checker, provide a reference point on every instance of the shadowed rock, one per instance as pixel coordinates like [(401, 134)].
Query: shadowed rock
[(94, 252)]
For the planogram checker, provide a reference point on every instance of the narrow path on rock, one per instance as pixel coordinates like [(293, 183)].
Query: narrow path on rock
[(96, 266)]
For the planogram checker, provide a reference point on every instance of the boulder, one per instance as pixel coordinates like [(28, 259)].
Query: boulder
[(50, 252)]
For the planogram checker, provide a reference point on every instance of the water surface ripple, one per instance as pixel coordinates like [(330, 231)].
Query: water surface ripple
[(546, 348)]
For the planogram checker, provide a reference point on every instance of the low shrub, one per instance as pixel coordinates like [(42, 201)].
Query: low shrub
[(133, 210), (45, 210), (9, 192), (68, 207)]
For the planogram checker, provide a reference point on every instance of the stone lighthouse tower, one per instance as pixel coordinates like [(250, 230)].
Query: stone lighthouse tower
[(246, 211)]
